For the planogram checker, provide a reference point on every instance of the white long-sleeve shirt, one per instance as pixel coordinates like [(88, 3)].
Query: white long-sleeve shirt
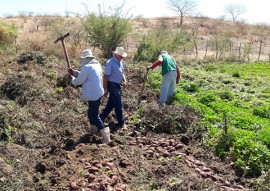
[(90, 77)]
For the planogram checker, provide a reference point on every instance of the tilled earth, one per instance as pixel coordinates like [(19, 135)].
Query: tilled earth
[(46, 143)]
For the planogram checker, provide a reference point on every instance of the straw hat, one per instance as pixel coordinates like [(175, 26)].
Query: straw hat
[(87, 54), (120, 51), (163, 52)]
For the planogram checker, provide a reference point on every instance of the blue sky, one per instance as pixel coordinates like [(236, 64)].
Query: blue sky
[(257, 10)]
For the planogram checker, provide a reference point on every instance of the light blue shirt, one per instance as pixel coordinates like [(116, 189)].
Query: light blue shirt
[(90, 77), (114, 69)]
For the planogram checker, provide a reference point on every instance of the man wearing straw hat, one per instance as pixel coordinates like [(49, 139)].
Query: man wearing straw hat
[(112, 79), (90, 77)]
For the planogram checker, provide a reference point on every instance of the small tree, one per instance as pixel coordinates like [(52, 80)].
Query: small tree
[(182, 7), (107, 31), (234, 10)]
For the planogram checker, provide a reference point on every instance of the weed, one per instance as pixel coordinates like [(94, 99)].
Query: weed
[(236, 74), (190, 87), (210, 68), (206, 98), (262, 111), (263, 182), (226, 95), (52, 75), (152, 186)]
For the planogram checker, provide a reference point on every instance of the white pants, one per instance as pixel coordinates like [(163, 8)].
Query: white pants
[(167, 86)]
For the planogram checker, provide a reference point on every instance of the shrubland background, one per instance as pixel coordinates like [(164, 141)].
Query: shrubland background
[(224, 72)]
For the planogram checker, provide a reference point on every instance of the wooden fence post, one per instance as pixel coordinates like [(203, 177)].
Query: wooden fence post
[(206, 48), (260, 50), (239, 51)]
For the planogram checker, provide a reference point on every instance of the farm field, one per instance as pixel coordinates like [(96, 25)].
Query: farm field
[(214, 134), (235, 102), (48, 146)]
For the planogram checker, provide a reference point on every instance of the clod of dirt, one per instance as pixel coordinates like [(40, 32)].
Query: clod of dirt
[(22, 139), (52, 150), (134, 133), (40, 167), (53, 180), (184, 139), (143, 97), (123, 163), (70, 145), (3, 136)]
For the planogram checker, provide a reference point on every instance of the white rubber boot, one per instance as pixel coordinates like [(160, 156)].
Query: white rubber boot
[(93, 130), (105, 133)]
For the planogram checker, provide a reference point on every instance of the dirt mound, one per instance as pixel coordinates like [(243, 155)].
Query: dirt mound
[(52, 149)]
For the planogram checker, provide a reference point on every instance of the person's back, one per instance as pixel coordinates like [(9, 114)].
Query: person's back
[(92, 88), (168, 64), (90, 77), (169, 75)]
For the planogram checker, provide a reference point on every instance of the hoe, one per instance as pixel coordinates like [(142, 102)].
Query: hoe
[(64, 47)]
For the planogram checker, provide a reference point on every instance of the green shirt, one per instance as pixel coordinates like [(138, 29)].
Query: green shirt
[(168, 64)]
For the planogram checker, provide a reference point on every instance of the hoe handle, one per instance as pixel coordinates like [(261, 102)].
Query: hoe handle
[(66, 55), (64, 47)]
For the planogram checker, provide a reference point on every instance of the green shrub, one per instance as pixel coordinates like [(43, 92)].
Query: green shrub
[(262, 111), (8, 35), (210, 67), (236, 74), (227, 81), (206, 98), (107, 31), (159, 39), (223, 145), (254, 157), (190, 87), (266, 90), (264, 136), (146, 52), (240, 104), (226, 96)]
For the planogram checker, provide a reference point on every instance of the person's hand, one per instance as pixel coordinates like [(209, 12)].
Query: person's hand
[(72, 78), (70, 71), (105, 93), (124, 84)]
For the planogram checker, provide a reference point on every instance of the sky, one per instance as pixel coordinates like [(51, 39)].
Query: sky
[(257, 11)]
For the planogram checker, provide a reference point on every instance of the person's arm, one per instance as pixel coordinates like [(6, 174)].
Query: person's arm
[(81, 78), (124, 82), (107, 72), (105, 86), (157, 63), (177, 71), (178, 74)]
